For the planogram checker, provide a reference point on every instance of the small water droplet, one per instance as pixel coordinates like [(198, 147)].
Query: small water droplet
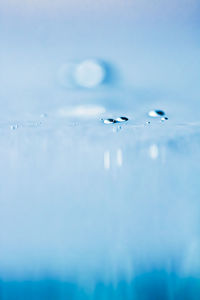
[(148, 122), (108, 121), (156, 113), (121, 119), (164, 119), (14, 127)]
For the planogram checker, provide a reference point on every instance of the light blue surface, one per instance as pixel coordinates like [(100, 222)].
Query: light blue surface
[(70, 222)]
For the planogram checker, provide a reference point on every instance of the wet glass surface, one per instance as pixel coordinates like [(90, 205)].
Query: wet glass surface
[(91, 212)]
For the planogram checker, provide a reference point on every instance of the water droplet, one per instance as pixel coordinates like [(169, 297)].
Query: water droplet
[(148, 122), (164, 119), (14, 127), (121, 119), (156, 113), (117, 128), (108, 121)]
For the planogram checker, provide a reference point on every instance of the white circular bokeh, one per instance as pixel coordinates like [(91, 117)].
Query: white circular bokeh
[(89, 74)]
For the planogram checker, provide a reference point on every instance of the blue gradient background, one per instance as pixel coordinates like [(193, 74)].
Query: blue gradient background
[(69, 229), (153, 45)]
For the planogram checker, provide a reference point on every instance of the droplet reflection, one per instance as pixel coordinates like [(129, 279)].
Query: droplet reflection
[(107, 160), (153, 151), (119, 157)]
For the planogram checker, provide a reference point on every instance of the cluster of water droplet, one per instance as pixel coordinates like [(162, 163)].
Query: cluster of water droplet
[(157, 114), (152, 113)]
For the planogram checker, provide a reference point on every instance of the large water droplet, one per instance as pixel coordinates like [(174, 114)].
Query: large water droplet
[(121, 119), (108, 121), (156, 113)]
